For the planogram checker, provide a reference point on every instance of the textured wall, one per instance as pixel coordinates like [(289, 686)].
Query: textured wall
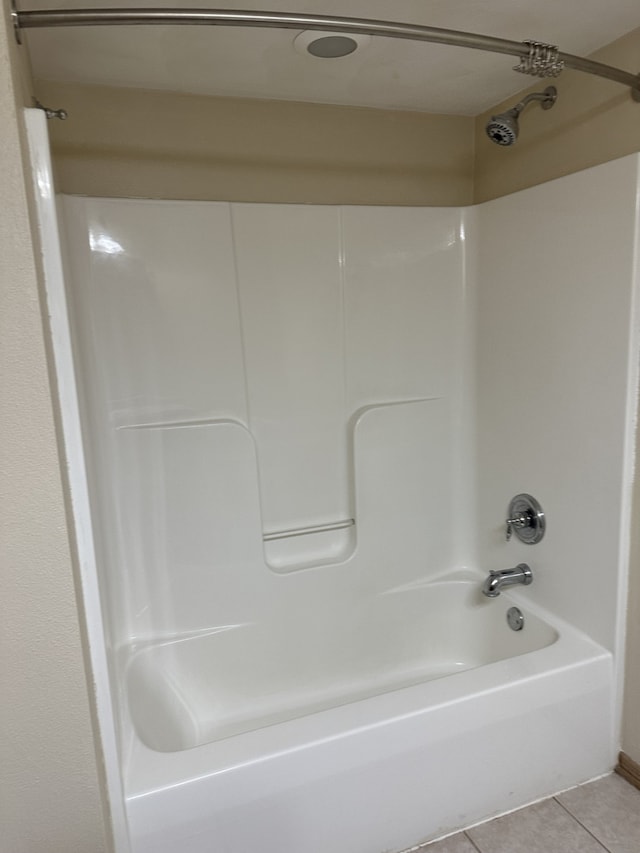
[(135, 143), (50, 798)]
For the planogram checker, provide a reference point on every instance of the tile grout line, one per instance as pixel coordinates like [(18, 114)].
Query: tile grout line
[(424, 846), (579, 822), (471, 841)]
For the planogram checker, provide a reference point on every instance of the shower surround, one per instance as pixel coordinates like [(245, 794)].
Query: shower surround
[(387, 378)]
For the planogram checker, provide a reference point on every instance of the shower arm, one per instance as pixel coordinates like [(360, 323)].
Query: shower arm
[(547, 100), (36, 19)]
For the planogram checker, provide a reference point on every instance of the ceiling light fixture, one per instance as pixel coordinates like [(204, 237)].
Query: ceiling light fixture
[(328, 45)]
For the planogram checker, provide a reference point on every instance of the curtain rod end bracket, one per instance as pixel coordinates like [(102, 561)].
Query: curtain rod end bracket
[(61, 114)]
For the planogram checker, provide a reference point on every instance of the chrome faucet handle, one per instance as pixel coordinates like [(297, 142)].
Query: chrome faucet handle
[(518, 521), (526, 519)]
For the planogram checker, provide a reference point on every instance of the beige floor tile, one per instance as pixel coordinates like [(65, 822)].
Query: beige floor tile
[(542, 828), (458, 843), (610, 809)]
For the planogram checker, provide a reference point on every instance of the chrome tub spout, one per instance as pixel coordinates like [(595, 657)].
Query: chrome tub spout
[(496, 581)]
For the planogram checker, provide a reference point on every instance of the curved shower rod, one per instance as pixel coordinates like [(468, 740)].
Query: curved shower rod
[(23, 20)]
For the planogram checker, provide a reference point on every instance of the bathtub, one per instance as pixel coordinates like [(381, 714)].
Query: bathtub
[(437, 715)]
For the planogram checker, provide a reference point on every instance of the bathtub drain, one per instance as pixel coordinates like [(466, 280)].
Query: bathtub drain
[(515, 618)]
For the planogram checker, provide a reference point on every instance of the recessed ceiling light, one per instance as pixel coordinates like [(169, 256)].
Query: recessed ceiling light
[(326, 45), (330, 47)]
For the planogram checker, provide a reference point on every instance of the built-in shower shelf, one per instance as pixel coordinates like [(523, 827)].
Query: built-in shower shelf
[(306, 531)]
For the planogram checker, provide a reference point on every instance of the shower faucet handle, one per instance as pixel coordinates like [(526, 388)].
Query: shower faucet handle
[(519, 521), (526, 518)]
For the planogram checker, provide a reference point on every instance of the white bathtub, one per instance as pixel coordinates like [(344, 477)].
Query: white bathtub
[(461, 719)]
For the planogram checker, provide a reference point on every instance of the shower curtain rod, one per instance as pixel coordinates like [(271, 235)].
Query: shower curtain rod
[(536, 58)]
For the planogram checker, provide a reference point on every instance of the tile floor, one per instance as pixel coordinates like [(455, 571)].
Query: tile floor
[(599, 817)]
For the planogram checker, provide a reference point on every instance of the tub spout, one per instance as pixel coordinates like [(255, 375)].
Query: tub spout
[(496, 581)]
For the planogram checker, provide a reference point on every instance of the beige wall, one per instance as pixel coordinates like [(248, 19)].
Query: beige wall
[(131, 142), (49, 788), (593, 121)]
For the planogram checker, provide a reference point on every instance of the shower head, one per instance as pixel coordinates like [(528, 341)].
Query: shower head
[(503, 129)]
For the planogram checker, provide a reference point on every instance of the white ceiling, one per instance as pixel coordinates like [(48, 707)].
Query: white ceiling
[(388, 73)]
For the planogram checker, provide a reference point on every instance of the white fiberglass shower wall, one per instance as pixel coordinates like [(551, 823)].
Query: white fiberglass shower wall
[(253, 371), (302, 426)]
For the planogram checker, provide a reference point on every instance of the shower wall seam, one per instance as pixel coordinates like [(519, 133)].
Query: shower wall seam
[(243, 347)]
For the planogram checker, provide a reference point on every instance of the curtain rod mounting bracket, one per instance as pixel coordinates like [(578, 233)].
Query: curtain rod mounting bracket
[(50, 113)]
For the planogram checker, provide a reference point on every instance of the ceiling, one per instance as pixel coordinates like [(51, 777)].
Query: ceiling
[(387, 73)]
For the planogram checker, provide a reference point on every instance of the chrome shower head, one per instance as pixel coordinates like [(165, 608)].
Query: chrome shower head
[(503, 129)]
